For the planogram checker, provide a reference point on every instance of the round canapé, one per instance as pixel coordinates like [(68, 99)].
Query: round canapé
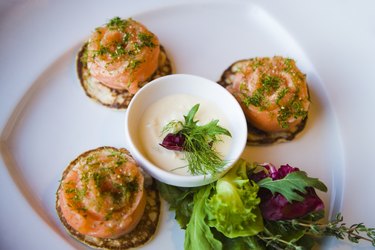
[(103, 201), (118, 59), (273, 94)]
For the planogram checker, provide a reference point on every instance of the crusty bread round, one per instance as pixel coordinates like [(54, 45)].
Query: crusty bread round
[(142, 233), (255, 135), (110, 97)]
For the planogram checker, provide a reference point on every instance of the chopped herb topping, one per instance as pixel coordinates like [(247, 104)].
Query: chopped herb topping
[(146, 40), (256, 99), (293, 109), (125, 38), (119, 51), (90, 159), (117, 154), (128, 47), (117, 23), (288, 64), (102, 51), (98, 30), (271, 84), (108, 180), (75, 196), (120, 162), (98, 179), (134, 63), (281, 95), (256, 64)]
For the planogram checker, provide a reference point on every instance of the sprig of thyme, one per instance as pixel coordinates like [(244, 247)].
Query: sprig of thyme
[(340, 230), (336, 228)]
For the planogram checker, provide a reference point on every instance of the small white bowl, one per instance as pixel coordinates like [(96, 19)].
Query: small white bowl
[(190, 85)]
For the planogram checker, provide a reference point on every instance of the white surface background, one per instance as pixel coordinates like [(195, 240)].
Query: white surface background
[(38, 39)]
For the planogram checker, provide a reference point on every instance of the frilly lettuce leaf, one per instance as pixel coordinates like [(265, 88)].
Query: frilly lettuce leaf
[(233, 206)]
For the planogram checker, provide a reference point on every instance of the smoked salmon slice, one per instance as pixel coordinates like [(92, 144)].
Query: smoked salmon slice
[(103, 199), (273, 94)]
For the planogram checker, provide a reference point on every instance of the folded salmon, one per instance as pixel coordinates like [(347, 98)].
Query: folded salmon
[(273, 94), (102, 200), (118, 59)]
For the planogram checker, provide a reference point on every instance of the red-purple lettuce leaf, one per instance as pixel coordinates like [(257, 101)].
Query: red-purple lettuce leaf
[(173, 142), (287, 193)]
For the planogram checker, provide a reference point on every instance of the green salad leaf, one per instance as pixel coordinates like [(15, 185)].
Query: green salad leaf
[(220, 215), (295, 181), (180, 200), (198, 234), (242, 243), (225, 214), (233, 208)]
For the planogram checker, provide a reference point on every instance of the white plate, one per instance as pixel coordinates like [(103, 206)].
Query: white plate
[(46, 119)]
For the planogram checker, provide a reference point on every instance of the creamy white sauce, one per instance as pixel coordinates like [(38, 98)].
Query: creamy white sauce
[(170, 108)]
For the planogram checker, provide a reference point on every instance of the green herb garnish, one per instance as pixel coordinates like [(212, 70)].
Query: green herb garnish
[(269, 84), (117, 23), (257, 63), (281, 94), (134, 64), (256, 99), (300, 233), (288, 64), (293, 109), (198, 143), (146, 40)]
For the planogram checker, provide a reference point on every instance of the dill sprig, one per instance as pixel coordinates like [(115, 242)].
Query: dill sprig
[(198, 147)]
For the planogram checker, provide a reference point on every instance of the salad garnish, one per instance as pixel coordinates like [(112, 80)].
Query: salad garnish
[(196, 142), (287, 192), (257, 206)]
